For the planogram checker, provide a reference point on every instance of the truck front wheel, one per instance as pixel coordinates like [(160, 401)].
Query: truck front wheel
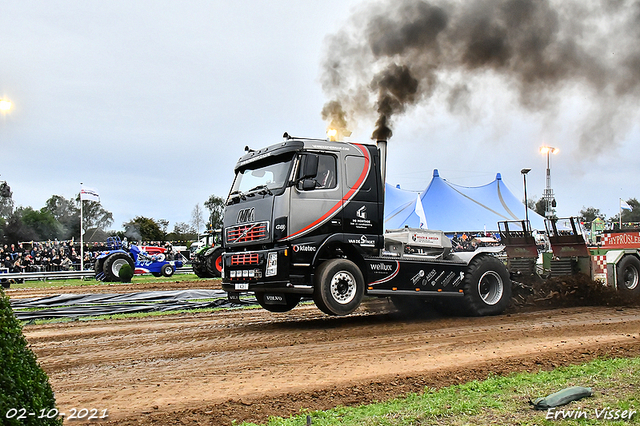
[(487, 287), (338, 287), (629, 276)]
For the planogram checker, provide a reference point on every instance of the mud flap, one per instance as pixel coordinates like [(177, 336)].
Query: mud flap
[(274, 299), (562, 397)]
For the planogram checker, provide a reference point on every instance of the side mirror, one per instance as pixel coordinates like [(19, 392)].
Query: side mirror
[(309, 166)]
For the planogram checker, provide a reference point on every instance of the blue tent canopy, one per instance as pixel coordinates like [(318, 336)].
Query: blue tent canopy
[(454, 208)]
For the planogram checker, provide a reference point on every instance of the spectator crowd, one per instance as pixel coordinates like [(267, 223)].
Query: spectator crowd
[(55, 255)]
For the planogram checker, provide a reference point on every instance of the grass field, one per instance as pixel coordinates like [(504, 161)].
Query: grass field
[(503, 401)]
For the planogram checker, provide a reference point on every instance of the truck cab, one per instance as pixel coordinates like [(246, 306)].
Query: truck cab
[(293, 205)]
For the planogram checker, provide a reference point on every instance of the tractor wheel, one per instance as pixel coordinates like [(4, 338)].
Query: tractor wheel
[(487, 287), (112, 265), (156, 274), (628, 271), (214, 263), (6, 283), (167, 270), (290, 301), (338, 287), (200, 269)]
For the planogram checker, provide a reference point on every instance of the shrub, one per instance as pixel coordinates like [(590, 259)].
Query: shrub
[(25, 386), (125, 273)]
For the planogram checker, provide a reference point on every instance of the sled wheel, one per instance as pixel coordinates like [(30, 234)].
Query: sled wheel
[(628, 271), (290, 302), (113, 263), (487, 287), (338, 287), (167, 270)]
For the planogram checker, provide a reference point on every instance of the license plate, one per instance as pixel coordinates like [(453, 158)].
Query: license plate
[(242, 286)]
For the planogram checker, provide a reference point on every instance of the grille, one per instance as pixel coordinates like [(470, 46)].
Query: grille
[(244, 259), (247, 232)]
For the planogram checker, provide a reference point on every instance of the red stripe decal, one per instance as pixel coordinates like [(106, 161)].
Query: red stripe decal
[(333, 210)]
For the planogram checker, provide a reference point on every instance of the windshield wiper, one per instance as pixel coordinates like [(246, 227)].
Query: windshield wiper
[(265, 188), (236, 196)]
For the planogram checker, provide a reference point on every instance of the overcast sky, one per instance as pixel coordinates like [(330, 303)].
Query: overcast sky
[(152, 102)]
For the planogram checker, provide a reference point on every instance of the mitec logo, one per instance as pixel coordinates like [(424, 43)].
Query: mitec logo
[(246, 215)]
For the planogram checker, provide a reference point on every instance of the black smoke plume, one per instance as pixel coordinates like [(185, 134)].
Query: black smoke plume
[(397, 54)]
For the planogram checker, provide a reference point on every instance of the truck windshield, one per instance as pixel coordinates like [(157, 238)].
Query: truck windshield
[(271, 175)]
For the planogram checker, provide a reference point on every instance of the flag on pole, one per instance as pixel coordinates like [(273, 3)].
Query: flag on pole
[(89, 194), (624, 205), (419, 209)]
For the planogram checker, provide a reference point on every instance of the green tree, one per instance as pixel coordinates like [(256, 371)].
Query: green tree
[(632, 215), (24, 384), (215, 205), (94, 215), (67, 213), (143, 229), (42, 222), (183, 232), (589, 214)]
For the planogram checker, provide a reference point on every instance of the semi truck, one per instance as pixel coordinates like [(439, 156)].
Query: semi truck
[(304, 219)]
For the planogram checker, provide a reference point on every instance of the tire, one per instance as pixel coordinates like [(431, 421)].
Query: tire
[(98, 268), (213, 263), (167, 270), (6, 283), (487, 287), (156, 274), (628, 276), (338, 287), (200, 269), (291, 301), (113, 263)]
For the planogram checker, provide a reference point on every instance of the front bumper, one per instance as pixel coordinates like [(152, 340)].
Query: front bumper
[(255, 271)]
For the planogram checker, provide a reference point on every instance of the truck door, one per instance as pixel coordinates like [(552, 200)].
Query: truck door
[(316, 211)]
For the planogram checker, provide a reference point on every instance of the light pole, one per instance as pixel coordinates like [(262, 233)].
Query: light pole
[(526, 202), (549, 199)]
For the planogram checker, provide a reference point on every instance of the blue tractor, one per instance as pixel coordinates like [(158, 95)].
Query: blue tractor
[(119, 253)]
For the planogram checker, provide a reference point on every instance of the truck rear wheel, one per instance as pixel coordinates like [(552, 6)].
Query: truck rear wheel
[(487, 287), (628, 271), (112, 265), (338, 287), (289, 302)]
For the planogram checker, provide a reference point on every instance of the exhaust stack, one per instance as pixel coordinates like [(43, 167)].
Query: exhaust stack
[(382, 147)]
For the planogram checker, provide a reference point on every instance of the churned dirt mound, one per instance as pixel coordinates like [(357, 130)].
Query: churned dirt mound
[(574, 290)]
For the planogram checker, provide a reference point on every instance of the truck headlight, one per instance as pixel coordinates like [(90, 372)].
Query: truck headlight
[(272, 264)]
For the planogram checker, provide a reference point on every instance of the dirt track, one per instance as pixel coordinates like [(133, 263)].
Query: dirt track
[(249, 364)]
